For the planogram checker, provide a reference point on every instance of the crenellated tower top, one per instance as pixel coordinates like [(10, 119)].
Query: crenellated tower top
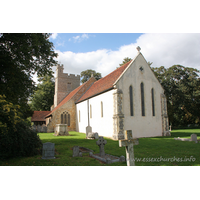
[(64, 84)]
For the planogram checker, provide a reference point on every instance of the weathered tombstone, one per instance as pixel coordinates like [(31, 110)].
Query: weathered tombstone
[(194, 137), (76, 151), (92, 135), (128, 143), (48, 150), (88, 130), (122, 158), (101, 142)]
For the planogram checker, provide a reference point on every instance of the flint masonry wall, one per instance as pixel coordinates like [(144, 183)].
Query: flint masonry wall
[(70, 107)]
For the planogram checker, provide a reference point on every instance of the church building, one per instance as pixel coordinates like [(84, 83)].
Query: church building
[(129, 98)]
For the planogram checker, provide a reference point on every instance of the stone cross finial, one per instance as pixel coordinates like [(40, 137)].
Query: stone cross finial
[(101, 142), (128, 143), (138, 48)]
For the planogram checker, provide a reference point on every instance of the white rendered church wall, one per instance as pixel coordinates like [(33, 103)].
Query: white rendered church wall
[(103, 125), (81, 117), (148, 125)]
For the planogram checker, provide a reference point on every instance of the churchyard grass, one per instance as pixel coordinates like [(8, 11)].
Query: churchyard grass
[(158, 151)]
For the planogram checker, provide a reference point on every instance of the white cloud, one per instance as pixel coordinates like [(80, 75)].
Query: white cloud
[(161, 49), (79, 38), (54, 35)]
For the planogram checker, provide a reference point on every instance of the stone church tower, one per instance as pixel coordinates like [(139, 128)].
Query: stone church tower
[(64, 84)]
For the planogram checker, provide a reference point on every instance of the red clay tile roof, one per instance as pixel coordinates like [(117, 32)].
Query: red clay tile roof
[(97, 87), (39, 116), (105, 83)]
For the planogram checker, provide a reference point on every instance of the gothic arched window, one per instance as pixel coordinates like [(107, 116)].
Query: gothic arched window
[(142, 99), (153, 103), (131, 100), (65, 118)]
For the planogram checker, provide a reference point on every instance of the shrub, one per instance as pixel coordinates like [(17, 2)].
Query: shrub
[(16, 137)]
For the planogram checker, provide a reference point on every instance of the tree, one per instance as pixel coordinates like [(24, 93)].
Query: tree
[(127, 59), (42, 98), (16, 137), (85, 75), (21, 56), (182, 90)]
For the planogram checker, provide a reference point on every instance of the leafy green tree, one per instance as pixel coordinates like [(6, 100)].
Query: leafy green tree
[(182, 89), (16, 137), (127, 59), (42, 98), (86, 75), (21, 56)]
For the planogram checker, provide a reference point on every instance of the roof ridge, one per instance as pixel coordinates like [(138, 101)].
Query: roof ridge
[(112, 71), (103, 84)]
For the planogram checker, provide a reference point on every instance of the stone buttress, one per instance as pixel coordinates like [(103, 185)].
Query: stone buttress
[(118, 116)]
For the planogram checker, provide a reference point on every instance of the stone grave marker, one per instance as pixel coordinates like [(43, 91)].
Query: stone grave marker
[(48, 150), (92, 135), (76, 151), (101, 142), (88, 130), (128, 143), (194, 137), (102, 156)]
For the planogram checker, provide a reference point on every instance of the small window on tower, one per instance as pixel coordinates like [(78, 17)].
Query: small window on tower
[(69, 86)]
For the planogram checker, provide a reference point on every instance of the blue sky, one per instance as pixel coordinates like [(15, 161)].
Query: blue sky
[(77, 42), (103, 52)]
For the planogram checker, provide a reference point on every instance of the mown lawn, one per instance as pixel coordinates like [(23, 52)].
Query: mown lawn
[(158, 151)]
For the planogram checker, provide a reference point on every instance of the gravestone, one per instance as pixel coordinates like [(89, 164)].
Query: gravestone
[(107, 158), (76, 151), (194, 137), (92, 135), (48, 150), (128, 143), (101, 142), (88, 130)]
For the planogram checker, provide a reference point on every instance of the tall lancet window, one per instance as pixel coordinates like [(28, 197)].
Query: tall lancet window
[(90, 111), (153, 103), (142, 99), (65, 118), (101, 109), (131, 100)]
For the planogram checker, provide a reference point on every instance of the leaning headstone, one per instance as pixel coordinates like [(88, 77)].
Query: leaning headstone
[(48, 150), (194, 137), (101, 142), (76, 151), (128, 143)]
